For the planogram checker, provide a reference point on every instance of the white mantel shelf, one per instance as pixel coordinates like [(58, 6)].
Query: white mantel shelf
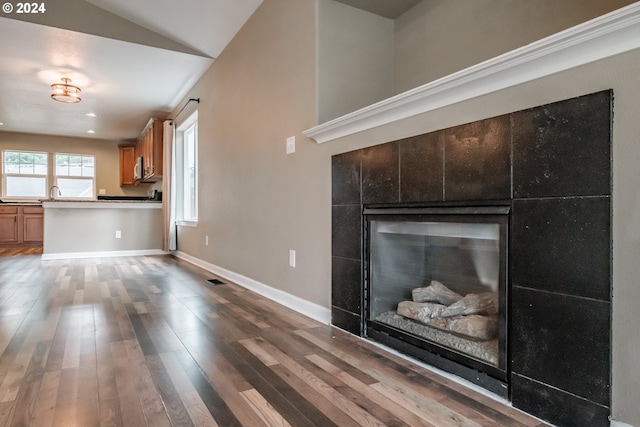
[(600, 38)]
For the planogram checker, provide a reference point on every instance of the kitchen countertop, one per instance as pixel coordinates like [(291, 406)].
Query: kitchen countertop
[(102, 204), (20, 203)]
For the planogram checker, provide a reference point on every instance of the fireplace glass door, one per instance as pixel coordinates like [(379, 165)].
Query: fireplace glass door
[(438, 276)]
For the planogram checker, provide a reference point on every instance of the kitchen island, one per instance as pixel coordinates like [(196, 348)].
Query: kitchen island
[(84, 229)]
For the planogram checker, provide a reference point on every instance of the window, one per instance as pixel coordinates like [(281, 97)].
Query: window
[(190, 179), (187, 170), (25, 174), (75, 175)]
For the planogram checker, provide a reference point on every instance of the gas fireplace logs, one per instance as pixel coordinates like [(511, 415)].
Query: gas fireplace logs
[(439, 307), (435, 292), (467, 324)]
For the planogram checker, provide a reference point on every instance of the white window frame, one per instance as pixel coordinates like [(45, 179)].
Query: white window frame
[(6, 175), (91, 178), (185, 192)]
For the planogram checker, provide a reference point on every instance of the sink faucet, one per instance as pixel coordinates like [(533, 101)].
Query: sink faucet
[(51, 196)]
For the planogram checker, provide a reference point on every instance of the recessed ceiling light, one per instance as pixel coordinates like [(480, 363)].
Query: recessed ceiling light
[(91, 115), (91, 131)]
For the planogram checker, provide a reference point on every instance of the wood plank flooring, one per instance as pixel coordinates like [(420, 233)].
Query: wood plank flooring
[(147, 341), (13, 250)]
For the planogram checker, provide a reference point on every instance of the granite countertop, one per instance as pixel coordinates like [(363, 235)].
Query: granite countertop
[(99, 201), (101, 204), (62, 203), (20, 203)]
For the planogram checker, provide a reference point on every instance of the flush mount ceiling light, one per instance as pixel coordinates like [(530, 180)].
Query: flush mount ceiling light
[(64, 92)]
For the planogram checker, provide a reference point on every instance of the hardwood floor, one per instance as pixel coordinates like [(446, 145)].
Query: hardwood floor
[(10, 250), (147, 341)]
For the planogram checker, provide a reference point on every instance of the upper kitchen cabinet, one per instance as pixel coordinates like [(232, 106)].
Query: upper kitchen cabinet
[(127, 164), (149, 146)]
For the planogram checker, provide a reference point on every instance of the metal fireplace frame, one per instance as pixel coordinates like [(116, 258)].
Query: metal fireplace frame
[(481, 373)]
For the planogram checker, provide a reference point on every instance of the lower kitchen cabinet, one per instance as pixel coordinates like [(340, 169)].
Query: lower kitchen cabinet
[(20, 224), (32, 224), (9, 224)]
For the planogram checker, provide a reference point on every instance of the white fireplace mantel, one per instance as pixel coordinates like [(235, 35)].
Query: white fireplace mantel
[(608, 35)]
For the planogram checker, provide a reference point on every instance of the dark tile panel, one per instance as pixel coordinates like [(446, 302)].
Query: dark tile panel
[(477, 162), (563, 149), (346, 286), (346, 231), (347, 321), (421, 168), (562, 341), (380, 174), (556, 406), (345, 178), (563, 245)]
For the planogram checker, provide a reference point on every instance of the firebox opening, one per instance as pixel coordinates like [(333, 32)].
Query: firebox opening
[(436, 278)]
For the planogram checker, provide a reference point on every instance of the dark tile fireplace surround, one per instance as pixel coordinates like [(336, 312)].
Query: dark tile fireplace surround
[(552, 166)]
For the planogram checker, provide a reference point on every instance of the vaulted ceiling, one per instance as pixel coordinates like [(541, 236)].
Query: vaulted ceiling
[(131, 59)]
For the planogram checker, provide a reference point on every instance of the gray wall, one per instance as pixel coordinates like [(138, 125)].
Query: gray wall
[(256, 202), (439, 37), (80, 230), (355, 59)]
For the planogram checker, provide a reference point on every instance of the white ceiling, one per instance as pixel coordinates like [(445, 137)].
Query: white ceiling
[(388, 8), (132, 59)]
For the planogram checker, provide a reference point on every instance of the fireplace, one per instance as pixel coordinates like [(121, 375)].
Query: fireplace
[(435, 280), (551, 167)]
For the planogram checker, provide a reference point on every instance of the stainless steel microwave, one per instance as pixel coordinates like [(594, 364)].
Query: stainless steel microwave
[(138, 172)]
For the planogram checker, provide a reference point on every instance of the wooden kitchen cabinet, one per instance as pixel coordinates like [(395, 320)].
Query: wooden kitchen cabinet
[(9, 224), (127, 163), (32, 224), (150, 146), (20, 224)]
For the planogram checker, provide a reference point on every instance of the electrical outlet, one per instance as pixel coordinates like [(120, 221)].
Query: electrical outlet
[(206, 240), (291, 145), (292, 258), (118, 234), (102, 191)]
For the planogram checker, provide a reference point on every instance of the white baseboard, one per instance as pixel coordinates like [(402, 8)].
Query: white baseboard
[(619, 424), (105, 254), (304, 307)]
